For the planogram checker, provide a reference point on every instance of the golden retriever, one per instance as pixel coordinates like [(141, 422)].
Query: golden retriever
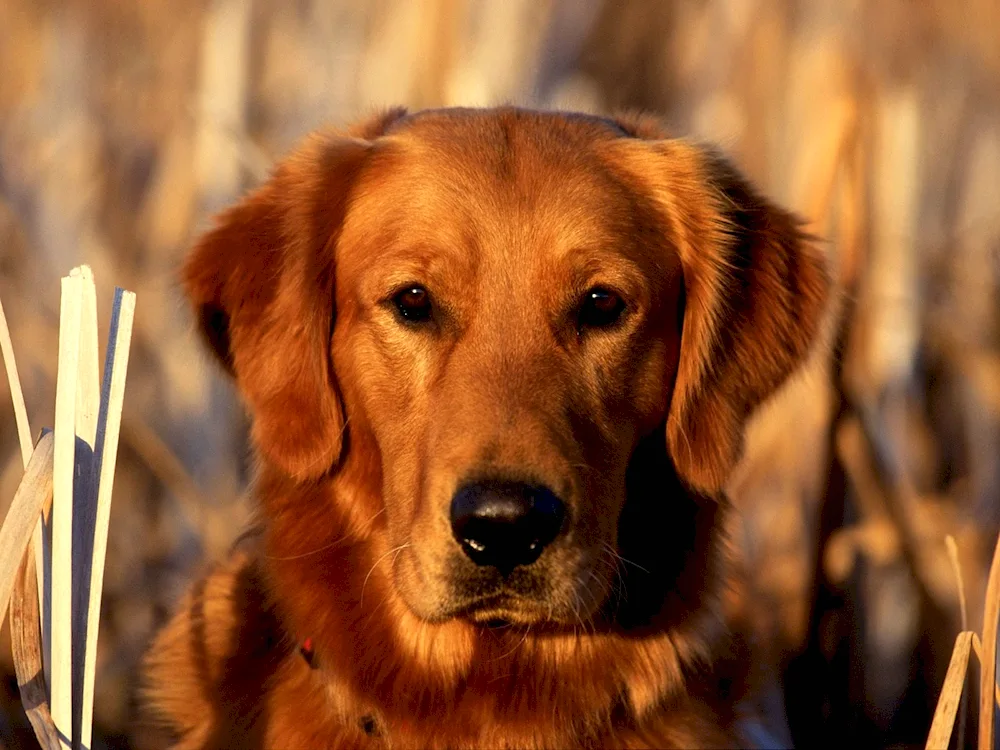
[(499, 364)]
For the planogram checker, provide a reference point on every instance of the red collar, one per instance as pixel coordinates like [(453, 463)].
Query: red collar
[(307, 652), (367, 723)]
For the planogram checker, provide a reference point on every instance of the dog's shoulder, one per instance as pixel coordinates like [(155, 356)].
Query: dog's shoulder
[(207, 669)]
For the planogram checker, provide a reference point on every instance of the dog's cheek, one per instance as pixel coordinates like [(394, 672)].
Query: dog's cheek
[(651, 385), (580, 581), (419, 578), (376, 393), (391, 386)]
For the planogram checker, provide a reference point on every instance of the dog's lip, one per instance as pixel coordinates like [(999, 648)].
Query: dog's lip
[(503, 608)]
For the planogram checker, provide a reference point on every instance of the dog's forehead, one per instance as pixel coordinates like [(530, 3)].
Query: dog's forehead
[(505, 125), (500, 148), (496, 170), (489, 193)]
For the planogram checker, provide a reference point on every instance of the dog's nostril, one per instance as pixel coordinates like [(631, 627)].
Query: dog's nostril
[(505, 524)]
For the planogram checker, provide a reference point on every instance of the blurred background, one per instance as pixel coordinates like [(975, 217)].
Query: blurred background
[(124, 125)]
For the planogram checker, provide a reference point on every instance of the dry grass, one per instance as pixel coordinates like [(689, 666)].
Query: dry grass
[(952, 700), (54, 535), (123, 125)]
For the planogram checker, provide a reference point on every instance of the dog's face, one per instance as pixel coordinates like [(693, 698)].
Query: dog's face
[(508, 335), (491, 310)]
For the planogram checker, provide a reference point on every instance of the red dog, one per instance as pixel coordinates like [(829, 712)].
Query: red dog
[(499, 364)]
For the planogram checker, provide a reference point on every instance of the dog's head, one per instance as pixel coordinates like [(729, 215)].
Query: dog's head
[(518, 324)]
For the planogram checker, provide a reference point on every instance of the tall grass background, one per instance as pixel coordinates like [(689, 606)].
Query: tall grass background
[(123, 126)]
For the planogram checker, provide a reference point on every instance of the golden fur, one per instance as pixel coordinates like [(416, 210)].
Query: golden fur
[(365, 426)]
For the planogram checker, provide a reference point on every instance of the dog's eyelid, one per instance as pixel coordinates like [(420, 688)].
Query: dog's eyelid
[(626, 279), (408, 286), (390, 288), (631, 296), (600, 287)]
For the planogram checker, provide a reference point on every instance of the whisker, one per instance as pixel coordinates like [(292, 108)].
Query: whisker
[(316, 464), (325, 547), (619, 583), (615, 554), (395, 550), (376, 609), (594, 601), (577, 602), (316, 551), (516, 646)]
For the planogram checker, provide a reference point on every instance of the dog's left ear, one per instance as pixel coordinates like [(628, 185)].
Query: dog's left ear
[(756, 293), (262, 286), (261, 283)]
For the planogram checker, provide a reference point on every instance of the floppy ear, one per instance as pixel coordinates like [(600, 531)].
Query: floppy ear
[(261, 283), (756, 292)]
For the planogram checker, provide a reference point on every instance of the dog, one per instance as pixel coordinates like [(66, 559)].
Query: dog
[(498, 364)]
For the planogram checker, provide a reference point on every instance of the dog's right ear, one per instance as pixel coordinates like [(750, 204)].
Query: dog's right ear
[(262, 286), (757, 292)]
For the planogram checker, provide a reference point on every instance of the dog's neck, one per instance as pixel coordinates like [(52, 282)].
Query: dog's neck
[(632, 660)]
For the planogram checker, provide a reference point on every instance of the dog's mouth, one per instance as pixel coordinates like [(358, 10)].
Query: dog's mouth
[(555, 593), (502, 610)]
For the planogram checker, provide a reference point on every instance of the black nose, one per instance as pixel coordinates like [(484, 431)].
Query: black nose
[(505, 524)]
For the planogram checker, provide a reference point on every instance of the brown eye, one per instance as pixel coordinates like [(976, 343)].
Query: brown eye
[(413, 304), (601, 308)]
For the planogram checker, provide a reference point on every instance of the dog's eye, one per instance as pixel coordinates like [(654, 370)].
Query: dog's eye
[(601, 308), (413, 304)]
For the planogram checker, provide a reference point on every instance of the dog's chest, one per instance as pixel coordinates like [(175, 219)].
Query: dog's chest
[(339, 721)]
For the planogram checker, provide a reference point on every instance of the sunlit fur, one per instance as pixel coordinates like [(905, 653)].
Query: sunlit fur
[(364, 426)]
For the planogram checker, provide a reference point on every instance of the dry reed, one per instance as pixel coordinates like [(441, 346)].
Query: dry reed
[(122, 126), (66, 492)]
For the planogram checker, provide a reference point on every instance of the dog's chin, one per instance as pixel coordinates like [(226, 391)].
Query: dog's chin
[(524, 600), (502, 611), (494, 612), (506, 611)]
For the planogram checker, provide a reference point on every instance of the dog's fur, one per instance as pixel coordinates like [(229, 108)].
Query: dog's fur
[(365, 425)]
